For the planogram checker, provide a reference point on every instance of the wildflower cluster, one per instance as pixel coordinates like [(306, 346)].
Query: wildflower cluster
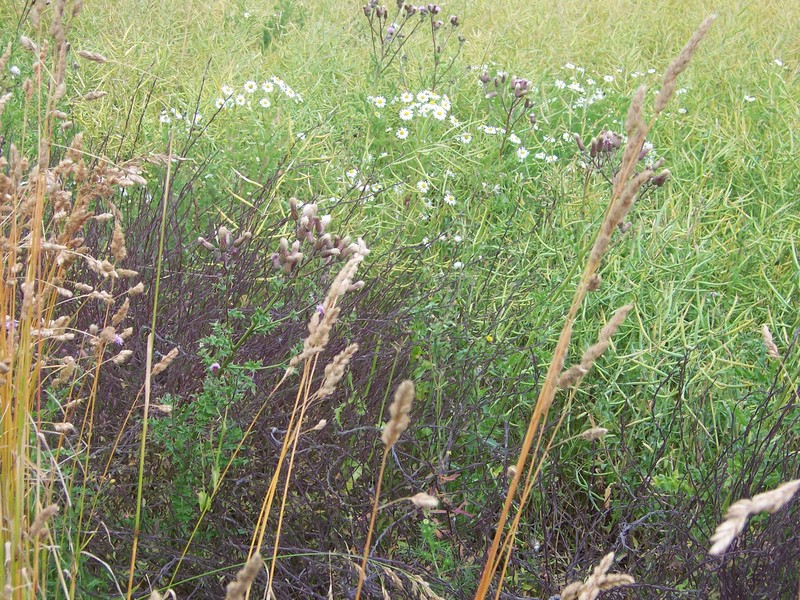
[(604, 156), (424, 105), (168, 115), (511, 94), (388, 34), (226, 248), (252, 93), (310, 234)]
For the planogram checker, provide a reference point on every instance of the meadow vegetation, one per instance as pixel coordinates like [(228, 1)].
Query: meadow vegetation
[(312, 299)]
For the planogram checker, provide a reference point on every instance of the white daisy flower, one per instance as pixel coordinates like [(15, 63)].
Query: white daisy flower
[(250, 87), (401, 133), (164, 118), (608, 78), (227, 90), (423, 96), (241, 100), (490, 129), (779, 62), (219, 103), (514, 139), (379, 101), (439, 113), (522, 153), (453, 121), (539, 155), (551, 159), (560, 84), (569, 66), (407, 97), (457, 239), (423, 187), (268, 87), (449, 199), (681, 111), (406, 114), (264, 102), (351, 173), (465, 138)]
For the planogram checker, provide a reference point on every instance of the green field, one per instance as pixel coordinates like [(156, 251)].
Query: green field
[(480, 210)]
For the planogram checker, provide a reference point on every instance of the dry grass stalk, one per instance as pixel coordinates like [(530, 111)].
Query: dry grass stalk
[(121, 313), (769, 343), (680, 63), (399, 411), (93, 56), (575, 372), (39, 525), (123, 357), (739, 512), (237, 588), (394, 428), (118, 243), (95, 95), (335, 371), (319, 327), (593, 434), (599, 581), (165, 362), (423, 500), (626, 184), (322, 321)]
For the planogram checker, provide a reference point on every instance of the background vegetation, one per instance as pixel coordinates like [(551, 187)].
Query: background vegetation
[(476, 245)]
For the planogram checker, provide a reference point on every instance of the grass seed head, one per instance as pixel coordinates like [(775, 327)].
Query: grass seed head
[(739, 512), (399, 411), (237, 589)]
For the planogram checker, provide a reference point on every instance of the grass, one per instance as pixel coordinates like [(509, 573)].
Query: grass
[(483, 285)]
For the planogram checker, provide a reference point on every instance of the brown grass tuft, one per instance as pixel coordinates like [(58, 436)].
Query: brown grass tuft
[(680, 63), (165, 362), (769, 343), (399, 411), (575, 372), (39, 525), (237, 589), (740, 511), (599, 581)]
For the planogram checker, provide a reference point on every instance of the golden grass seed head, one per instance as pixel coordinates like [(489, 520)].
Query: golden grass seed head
[(399, 413)]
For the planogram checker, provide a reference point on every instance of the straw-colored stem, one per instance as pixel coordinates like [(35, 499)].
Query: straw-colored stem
[(363, 569), (148, 372), (549, 387)]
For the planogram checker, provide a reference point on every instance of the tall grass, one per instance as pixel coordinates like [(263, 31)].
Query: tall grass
[(248, 448)]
